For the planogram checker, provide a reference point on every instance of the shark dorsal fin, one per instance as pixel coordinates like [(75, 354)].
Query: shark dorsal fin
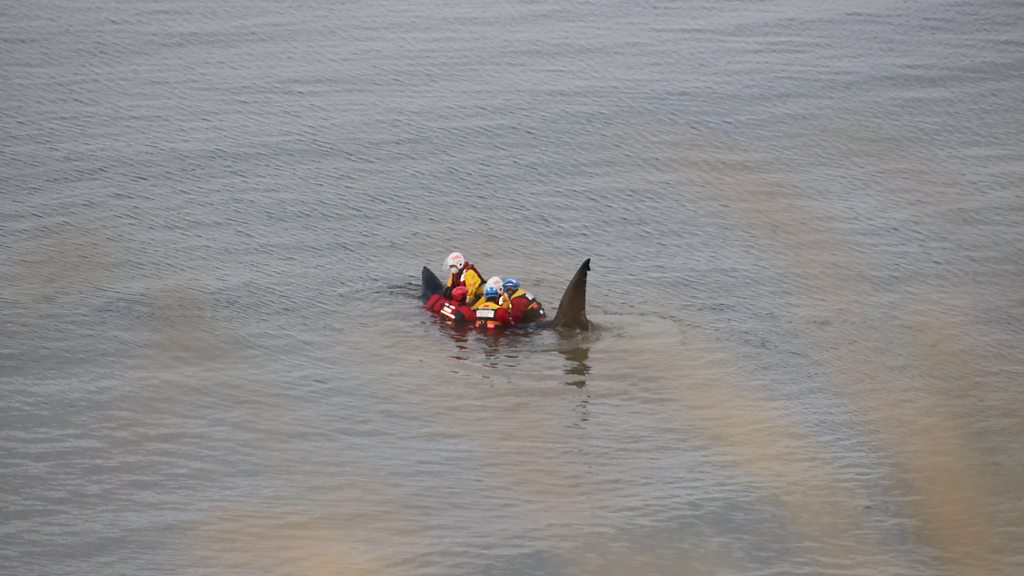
[(572, 310)]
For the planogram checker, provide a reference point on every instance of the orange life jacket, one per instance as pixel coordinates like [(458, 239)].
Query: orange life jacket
[(487, 316)]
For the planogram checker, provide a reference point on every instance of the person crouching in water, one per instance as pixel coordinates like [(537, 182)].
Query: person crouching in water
[(503, 301), (490, 315), (456, 310), (523, 307), (463, 273)]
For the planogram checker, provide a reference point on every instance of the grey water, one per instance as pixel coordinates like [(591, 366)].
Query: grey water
[(805, 224)]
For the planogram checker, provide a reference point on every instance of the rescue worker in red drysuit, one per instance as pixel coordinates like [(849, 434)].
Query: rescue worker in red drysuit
[(456, 311), (490, 315), (462, 273), (524, 308)]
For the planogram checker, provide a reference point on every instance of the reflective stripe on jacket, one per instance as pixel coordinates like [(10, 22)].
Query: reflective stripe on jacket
[(456, 312), (490, 316)]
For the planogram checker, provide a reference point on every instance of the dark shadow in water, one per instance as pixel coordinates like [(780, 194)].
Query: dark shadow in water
[(576, 356), (492, 348)]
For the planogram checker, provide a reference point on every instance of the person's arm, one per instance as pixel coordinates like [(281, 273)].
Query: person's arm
[(503, 317)]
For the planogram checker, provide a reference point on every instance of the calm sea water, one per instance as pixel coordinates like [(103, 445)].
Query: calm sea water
[(805, 221)]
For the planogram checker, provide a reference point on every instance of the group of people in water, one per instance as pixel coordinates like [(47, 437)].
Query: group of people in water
[(491, 305)]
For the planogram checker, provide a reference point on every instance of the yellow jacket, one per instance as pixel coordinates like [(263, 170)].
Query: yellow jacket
[(471, 279), (519, 292), (505, 303)]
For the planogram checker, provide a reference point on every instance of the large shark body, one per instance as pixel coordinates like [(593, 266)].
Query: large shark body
[(572, 310)]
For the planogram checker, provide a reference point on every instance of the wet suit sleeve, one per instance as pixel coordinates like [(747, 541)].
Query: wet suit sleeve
[(502, 316)]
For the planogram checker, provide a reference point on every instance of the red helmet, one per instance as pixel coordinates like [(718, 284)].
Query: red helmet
[(459, 293)]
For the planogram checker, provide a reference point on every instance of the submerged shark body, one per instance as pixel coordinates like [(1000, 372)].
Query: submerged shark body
[(572, 310)]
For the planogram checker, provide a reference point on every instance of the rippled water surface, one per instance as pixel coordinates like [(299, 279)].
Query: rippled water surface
[(805, 224)]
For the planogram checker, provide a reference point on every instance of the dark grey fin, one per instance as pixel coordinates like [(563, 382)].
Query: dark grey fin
[(431, 285), (572, 310)]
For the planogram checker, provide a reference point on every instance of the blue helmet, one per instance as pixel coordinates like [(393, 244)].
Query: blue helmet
[(492, 292), (511, 285)]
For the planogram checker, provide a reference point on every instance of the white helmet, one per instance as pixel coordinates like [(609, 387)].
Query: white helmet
[(493, 289), (456, 261), (494, 282)]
